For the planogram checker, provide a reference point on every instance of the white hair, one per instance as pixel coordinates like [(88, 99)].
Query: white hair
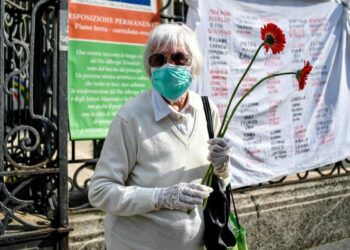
[(174, 35)]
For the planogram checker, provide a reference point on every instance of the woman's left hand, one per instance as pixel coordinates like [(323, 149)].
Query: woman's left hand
[(219, 149)]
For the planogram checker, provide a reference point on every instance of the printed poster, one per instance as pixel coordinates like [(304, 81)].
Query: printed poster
[(278, 130), (105, 65)]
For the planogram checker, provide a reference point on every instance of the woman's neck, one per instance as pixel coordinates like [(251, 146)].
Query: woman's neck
[(179, 104)]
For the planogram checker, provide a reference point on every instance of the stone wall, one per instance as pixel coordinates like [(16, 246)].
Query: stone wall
[(297, 216), (88, 230), (280, 217)]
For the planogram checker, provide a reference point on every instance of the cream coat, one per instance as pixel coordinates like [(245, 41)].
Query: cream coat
[(139, 155)]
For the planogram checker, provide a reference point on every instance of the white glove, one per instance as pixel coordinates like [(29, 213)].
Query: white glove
[(182, 196), (219, 149)]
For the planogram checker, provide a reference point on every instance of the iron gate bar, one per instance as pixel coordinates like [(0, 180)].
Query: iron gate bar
[(175, 18), (290, 182), (31, 172), (63, 124), (35, 238), (2, 81)]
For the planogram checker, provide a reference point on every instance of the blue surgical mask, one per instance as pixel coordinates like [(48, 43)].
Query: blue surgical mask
[(171, 81)]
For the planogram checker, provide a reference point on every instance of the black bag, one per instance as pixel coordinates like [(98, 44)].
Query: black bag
[(218, 232)]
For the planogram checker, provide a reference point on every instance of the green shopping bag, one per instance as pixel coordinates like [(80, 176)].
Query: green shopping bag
[(239, 231), (240, 234)]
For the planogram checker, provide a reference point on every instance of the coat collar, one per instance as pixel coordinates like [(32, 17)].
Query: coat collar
[(161, 109)]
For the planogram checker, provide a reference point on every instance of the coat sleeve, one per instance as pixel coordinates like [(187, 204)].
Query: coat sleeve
[(107, 189)]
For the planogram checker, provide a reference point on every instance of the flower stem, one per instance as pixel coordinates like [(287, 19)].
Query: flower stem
[(236, 88), (206, 176), (246, 94), (208, 183), (207, 179)]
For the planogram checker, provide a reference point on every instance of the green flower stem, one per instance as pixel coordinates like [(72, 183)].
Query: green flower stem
[(206, 176), (236, 88), (246, 94), (210, 178), (207, 179), (209, 173)]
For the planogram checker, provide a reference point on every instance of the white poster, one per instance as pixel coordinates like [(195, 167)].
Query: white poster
[(278, 130)]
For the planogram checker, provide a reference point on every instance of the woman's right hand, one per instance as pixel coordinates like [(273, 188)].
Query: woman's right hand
[(183, 196)]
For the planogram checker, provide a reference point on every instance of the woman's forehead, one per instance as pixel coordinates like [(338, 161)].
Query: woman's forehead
[(169, 50)]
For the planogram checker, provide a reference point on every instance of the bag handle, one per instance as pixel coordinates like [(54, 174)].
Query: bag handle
[(209, 119), (207, 111), (229, 189)]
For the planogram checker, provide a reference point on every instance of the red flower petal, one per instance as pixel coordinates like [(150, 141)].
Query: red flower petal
[(273, 38), (303, 74)]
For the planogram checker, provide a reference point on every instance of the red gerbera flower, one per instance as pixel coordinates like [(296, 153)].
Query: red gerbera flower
[(303, 74), (273, 38)]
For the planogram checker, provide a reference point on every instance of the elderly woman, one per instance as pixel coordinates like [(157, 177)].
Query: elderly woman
[(156, 149)]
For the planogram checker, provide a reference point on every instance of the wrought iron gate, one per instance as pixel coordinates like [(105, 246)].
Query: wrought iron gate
[(33, 126)]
